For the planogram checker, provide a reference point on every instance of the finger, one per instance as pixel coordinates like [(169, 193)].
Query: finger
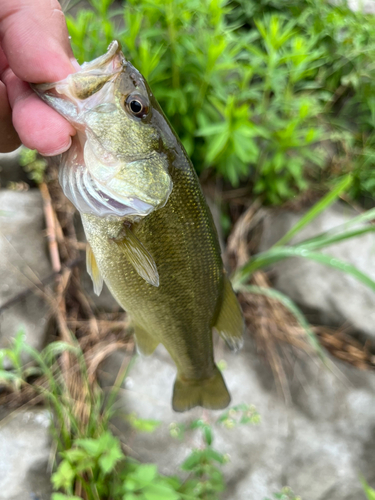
[(38, 126), (35, 40), (9, 139)]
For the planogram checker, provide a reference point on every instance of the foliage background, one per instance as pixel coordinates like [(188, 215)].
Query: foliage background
[(277, 96)]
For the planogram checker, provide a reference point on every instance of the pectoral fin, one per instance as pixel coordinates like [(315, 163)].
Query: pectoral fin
[(139, 257), (93, 270), (229, 323), (146, 344)]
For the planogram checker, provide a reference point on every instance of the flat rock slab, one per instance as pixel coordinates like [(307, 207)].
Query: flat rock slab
[(318, 445), (367, 6), (23, 261), (24, 455), (330, 295)]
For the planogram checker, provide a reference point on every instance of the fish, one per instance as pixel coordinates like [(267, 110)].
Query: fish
[(151, 236)]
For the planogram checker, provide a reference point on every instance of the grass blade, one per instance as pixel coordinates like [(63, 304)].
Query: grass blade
[(324, 203), (279, 253), (370, 493), (326, 239)]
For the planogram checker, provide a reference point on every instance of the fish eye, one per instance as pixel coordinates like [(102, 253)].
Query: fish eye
[(137, 105)]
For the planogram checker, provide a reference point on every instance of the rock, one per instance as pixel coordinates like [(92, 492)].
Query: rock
[(24, 456), (367, 6), (331, 296), (23, 260), (318, 445)]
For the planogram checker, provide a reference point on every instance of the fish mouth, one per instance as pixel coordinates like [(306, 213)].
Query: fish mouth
[(85, 89), (93, 177)]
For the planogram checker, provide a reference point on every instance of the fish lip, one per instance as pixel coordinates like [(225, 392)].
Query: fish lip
[(114, 49), (114, 52)]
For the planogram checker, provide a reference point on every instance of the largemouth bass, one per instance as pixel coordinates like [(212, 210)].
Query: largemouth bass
[(150, 233)]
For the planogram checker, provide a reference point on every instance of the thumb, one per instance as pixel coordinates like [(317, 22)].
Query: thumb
[(34, 38)]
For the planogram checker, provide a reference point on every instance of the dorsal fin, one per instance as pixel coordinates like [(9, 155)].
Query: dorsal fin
[(93, 270), (139, 257)]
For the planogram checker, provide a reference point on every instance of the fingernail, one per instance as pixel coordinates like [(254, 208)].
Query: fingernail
[(59, 150)]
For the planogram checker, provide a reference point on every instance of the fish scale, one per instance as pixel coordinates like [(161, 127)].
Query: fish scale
[(184, 266)]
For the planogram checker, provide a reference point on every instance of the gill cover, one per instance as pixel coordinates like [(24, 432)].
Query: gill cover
[(115, 166)]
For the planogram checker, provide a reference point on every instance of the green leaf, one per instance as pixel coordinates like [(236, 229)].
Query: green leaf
[(75, 455), (207, 432), (146, 473), (276, 254), (216, 146), (193, 460), (61, 496), (131, 496), (211, 454), (92, 446), (324, 203), (110, 459), (211, 129), (370, 492), (64, 476), (160, 492), (141, 424)]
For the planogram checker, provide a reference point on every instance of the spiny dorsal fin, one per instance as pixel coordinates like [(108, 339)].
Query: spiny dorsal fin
[(139, 257), (93, 270), (230, 323)]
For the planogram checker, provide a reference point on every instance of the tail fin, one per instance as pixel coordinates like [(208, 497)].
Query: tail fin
[(211, 393)]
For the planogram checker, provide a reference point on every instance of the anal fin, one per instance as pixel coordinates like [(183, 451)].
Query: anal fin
[(210, 393), (146, 344), (229, 323), (139, 257), (93, 270)]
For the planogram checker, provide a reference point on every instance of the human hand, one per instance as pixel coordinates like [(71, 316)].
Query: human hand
[(34, 47)]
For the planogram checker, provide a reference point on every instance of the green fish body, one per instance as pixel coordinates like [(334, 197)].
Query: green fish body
[(150, 232)]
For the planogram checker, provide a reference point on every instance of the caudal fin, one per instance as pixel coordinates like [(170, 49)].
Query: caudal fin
[(211, 393)]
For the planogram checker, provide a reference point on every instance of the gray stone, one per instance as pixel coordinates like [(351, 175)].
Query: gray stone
[(23, 262), (333, 297), (367, 6), (24, 456), (318, 445)]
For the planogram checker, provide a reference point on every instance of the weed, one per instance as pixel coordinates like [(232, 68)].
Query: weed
[(90, 462)]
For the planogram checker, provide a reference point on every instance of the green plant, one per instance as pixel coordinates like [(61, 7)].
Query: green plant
[(90, 460), (309, 249), (285, 494), (205, 480), (33, 164), (239, 101), (253, 87), (11, 357), (370, 492)]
